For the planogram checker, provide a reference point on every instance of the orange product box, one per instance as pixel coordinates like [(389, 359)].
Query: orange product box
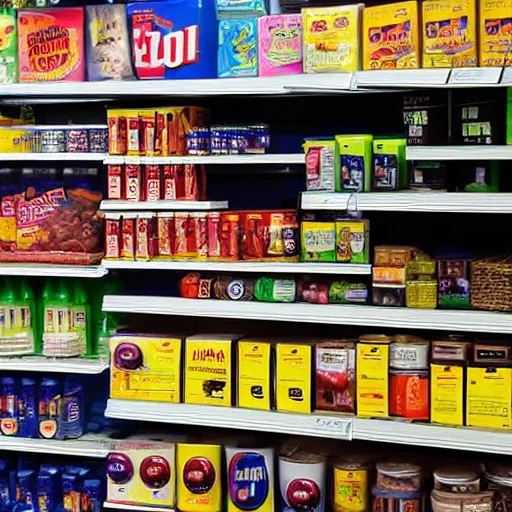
[(391, 36), (409, 394)]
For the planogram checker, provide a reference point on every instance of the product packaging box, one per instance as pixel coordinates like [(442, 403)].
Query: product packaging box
[(372, 376), (447, 394), (331, 39), (453, 283), (142, 473), (9, 47), (495, 28), (355, 155), (294, 383), (391, 36), (489, 397), (335, 373), (254, 370), (199, 477), (51, 45), (174, 39), (280, 45), (318, 237), (146, 367), (353, 241), (209, 369), (409, 394), (390, 166), (322, 165), (238, 48), (232, 9), (449, 34), (509, 110)]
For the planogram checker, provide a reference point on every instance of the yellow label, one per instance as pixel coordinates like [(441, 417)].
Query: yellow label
[(489, 397), (199, 472), (391, 36), (449, 33), (293, 377), (254, 374), (350, 490), (208, 372), (447, 394), (372, 379), (331, 39), (495, 33), (145, 368)]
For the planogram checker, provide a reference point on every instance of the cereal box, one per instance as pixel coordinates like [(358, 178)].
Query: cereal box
[(8, 48), (391, 36), (238, 48), (280, 44), (208, 369), (51, 45), (331, 38), (495, 33), (449, 33)]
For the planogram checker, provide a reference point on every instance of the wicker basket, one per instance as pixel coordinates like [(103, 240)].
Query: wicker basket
[(491, 283)]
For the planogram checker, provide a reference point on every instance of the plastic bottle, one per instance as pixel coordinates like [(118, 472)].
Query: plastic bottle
[(92, 495), (26, 491), (49, 405), (72, 424), (81, 317), (27, 408), (47, 488), (9, 422)]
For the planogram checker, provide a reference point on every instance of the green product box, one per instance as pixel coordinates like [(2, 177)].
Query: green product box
[(318, 239), (355, 156), (353, 241), (8, 47), (322, 165), (389, 165)]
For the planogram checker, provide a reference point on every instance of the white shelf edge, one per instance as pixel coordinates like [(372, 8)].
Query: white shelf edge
[(45, 364), (122, 205), (92, 446), (67, 157), (439, 436), (315, 425), (374, 316), (242, 266), (135, 508), (49, 270), (453, 202), (269, 159), (436, 153)]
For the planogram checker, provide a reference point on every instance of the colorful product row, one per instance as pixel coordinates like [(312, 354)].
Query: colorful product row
[(29, 485), (250, 235), (52, 139), (356, 163), (378, 376), (135, 182)]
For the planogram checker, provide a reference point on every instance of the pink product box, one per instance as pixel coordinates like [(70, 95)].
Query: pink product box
[(280, 44)]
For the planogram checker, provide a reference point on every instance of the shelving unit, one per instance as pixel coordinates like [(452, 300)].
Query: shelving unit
[(51, 157), (375, 316), (46, 364), (266, 159), (122, 205), (50, 270), (458, 153)]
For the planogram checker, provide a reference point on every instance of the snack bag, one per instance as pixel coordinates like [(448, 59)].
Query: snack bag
[(280, 45), (331, 38), (8, 48), (108, 43), (391, 36), (238, 47), (51, 45)]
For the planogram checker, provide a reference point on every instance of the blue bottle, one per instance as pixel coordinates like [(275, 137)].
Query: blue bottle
[(48, 488), (9, 421), (92, 495), (72, 424), (27, 408), (27, 496), (49, 407)]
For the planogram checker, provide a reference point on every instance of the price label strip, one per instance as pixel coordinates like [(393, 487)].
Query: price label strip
[(475, 76)]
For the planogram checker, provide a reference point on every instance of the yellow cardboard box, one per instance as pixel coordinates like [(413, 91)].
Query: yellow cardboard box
[(447, 394)]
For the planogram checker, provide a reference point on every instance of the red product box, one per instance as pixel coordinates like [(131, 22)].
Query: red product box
[(185, 233), (229, 236), (147, 133), (166, 235), (133, 182), (194, 183), (169, 185), (201, 235), (112, 230), (128, 237), (145, 237), (152, 183), (115, 182), (133, 145)]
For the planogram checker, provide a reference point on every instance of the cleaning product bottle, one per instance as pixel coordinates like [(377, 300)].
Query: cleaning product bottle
[(27, 408), (92, 495), (49, 403), (72, 424), (9, 422), (5, 499), (81, 313), (47, 488), (26, 491)]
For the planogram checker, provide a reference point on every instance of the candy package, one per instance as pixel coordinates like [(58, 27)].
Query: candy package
[(8, 48), (51, 45), (238, 48), (108, 43)]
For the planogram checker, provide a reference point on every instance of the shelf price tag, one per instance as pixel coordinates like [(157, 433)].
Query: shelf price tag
[(114, 160), (507, 75), (339, 427), (475, 76)]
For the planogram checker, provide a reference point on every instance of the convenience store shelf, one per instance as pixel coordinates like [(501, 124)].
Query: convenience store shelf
[(120, 205), (267, 159), (316, 425), (242, 266), (453, 202), (45, 364), (135, 508), (375, 316), (52, 157), (90, 445), (455, 438), (437, 153), (48, 270)]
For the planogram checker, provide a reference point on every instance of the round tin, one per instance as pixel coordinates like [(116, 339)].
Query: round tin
[(443, 501), (408, 353), (396, 476), (351, 484), (456, 479)]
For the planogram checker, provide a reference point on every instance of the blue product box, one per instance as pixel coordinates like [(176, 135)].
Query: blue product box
[(173, 39), (238, 48)]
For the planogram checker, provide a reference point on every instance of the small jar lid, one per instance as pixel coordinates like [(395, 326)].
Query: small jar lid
[(375, 338), (398, 469), (455, 475)]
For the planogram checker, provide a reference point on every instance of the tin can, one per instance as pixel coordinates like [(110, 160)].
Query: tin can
[(395, 476), (457, 480), (408, 353), (351, 490), (385, 500)]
